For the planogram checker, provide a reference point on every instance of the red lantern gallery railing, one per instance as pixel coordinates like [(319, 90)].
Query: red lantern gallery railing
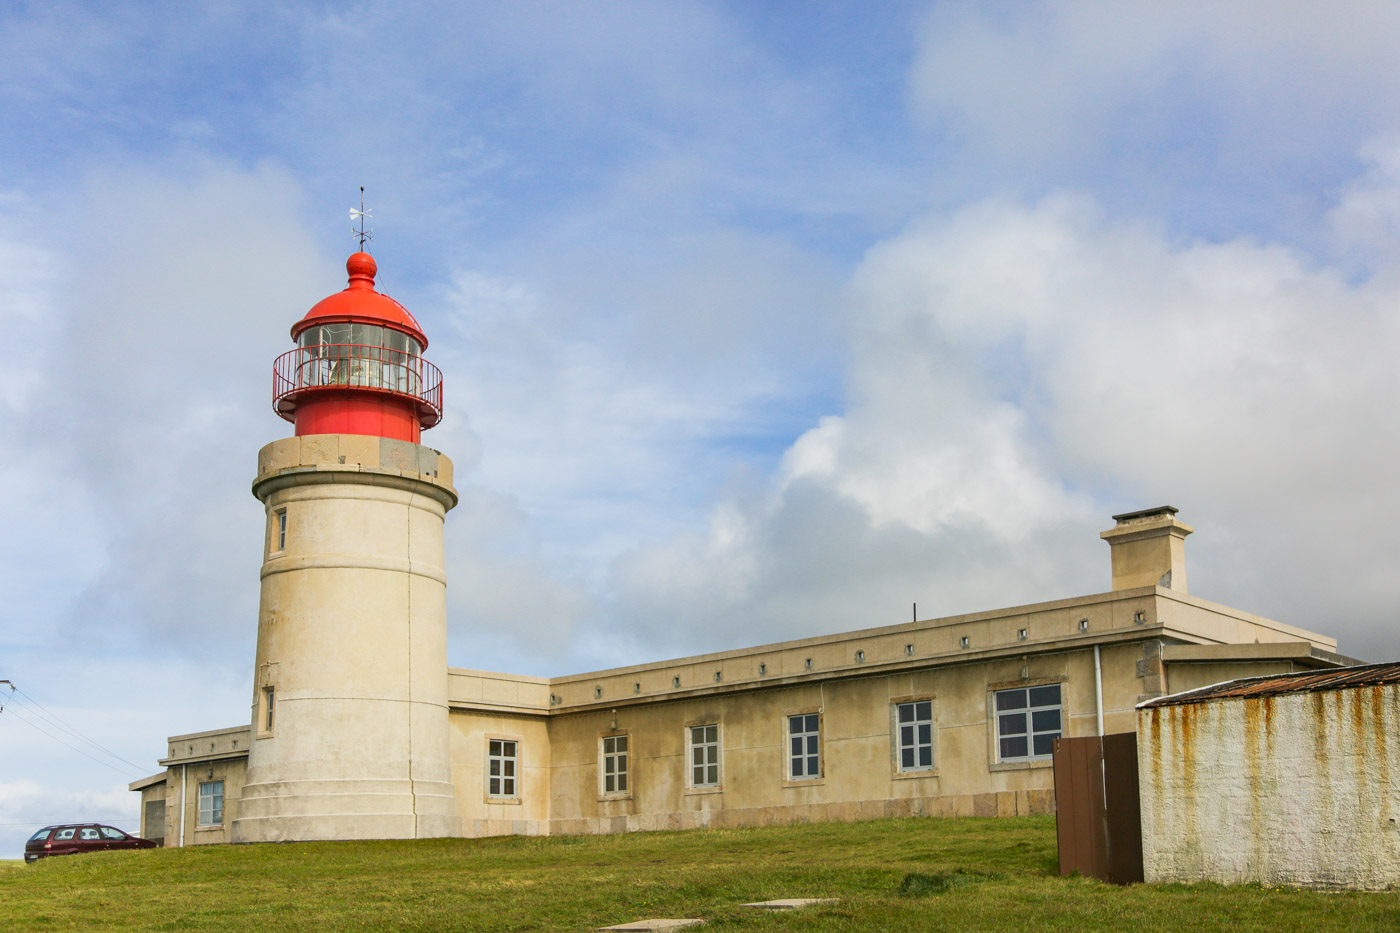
[(351, 366)]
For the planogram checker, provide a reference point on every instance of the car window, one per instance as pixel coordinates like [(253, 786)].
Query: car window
[(64, 834), (89, 833), (111, 833), (41, 834)]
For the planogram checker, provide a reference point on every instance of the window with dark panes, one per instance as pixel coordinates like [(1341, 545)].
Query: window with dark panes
[(914, 725), (804, 746), (614, 764), (704, 755), (1028, 722), (500, 768)]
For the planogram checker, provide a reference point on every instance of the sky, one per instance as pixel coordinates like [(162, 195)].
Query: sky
[(757, 321)]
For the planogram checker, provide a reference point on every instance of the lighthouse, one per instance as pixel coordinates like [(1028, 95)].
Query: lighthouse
[(349, 734)]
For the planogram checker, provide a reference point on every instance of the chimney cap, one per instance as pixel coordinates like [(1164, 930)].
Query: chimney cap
[(1145, 513)]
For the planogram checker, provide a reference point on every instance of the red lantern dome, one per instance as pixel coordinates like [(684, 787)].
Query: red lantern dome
[(358, 366)]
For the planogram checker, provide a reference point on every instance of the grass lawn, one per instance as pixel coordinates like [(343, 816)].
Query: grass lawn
[(916, 874)]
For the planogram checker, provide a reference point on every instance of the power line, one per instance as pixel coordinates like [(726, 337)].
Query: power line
[(52, 719), (41, 731)]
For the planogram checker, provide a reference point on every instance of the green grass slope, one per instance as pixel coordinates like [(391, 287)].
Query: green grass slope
[(890, 875)]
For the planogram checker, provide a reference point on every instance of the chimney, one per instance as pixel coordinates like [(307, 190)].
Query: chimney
[(1148, 549)]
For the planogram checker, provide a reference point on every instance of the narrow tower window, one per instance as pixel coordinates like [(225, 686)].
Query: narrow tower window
[(279, 532), (269, 698)]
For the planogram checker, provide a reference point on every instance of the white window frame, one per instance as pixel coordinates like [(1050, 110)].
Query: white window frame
[(802, 730), (503, 758), (211, 803), (908, 738), (614, 760), (1008, 707), (703, 754)]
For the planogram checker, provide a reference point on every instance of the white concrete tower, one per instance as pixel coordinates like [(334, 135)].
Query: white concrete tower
[(350, 733)]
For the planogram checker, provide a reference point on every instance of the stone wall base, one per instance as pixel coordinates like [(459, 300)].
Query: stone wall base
[(1003, 803)]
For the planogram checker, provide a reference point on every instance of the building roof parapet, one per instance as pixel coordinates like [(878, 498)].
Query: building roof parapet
[(211, 733), (865, 635)]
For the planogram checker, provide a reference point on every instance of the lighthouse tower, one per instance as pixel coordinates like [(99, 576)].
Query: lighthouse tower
[(350, 734)]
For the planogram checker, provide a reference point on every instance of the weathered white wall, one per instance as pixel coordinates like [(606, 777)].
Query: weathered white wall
[(1297, 789)]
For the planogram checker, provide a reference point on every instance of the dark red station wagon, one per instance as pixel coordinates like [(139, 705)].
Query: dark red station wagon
[(72, 838)]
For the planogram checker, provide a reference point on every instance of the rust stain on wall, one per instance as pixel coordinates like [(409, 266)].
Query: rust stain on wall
[(1254, 738), (1155, 759), (1381, 745), (1267, 704)]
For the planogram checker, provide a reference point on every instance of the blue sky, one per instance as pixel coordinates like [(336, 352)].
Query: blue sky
[(757, 320)]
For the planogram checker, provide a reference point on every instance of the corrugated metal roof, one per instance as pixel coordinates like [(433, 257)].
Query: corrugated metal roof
[(1366, 675)]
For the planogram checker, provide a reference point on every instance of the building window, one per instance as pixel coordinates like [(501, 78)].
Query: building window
[(279, 530), (914, 722), (269, 701), (500, 768), (211, 803), (704, 755), (615, 764), (804, 747), (1028, 722)]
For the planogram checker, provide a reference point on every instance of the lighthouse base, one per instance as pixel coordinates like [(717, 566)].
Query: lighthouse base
[(303, 811)]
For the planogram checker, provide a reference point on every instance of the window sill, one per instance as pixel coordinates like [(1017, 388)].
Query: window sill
[(213, 827), (804, 782), (914, 775), (1027, 765), (504, 801), (700, 791), (609, 798)]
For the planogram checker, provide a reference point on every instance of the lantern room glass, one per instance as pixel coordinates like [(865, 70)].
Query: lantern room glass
[(353, 354)]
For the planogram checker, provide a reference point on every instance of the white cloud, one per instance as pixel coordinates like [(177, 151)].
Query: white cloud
[(1019, 372), (141, 427)]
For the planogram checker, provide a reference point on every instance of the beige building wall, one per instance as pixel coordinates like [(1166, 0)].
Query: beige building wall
[(1148, 639)]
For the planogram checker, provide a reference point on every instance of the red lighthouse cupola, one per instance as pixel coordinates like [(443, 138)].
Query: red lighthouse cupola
[(358, 366)]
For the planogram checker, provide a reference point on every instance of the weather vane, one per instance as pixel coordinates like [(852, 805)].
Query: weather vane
[(362, 215)]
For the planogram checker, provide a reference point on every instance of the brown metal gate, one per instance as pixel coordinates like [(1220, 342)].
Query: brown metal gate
[(1097, 822)]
